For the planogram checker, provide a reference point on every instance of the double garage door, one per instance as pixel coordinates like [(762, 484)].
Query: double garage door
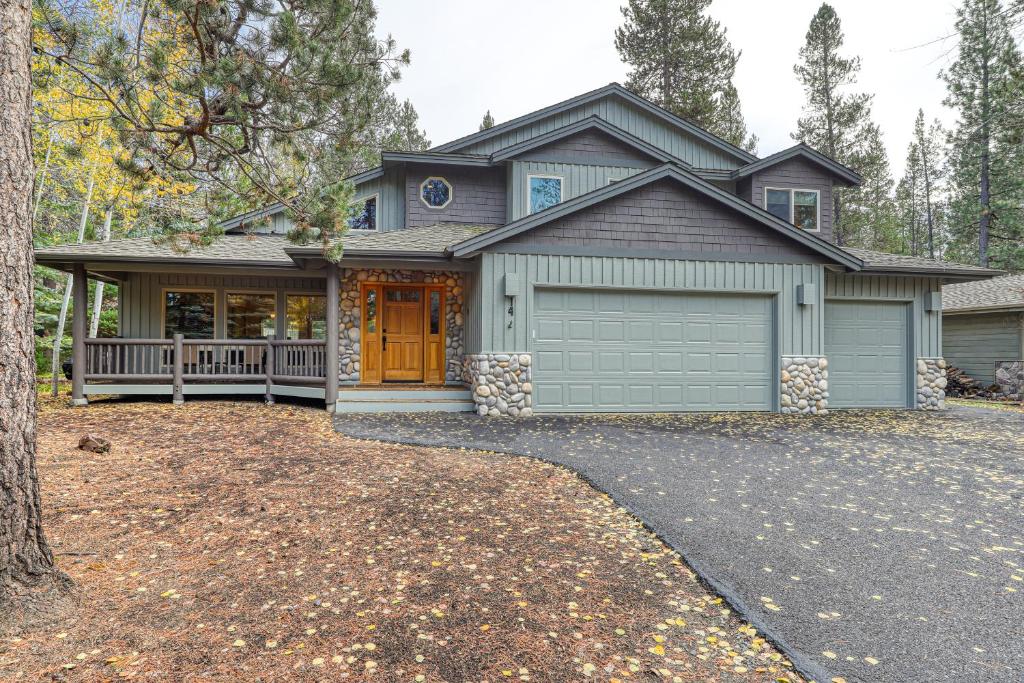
[(622, 351)]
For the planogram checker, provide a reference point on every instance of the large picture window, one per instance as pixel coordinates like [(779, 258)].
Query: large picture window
[(799, 207), (251, 316), (189, 313), (545, 191), (307, 316)]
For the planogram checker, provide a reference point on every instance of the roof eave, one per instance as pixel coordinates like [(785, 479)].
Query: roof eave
[(610, 89)]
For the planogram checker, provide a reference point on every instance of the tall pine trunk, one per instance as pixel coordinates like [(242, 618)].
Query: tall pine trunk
[(928, 205), (25, 556), (986, 134)]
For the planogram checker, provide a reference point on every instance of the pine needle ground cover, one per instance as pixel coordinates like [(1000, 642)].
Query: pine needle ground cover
[(238, 541)]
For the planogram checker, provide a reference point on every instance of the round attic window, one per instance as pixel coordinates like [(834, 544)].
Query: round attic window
[(436, 192)]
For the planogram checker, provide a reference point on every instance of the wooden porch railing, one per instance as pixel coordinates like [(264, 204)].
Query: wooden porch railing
[(183, 360)]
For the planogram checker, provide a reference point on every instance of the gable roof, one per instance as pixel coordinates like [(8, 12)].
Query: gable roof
[(610, 90), (799, 150), (674, 172), (1004, 293), (592, 122)]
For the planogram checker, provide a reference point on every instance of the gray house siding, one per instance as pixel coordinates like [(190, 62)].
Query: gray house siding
[(976, 342), (926, 326), (478, 196), (665, 216), (576, 180), (798, 329), (624, 116), (590, 147), (795, 174), (140, 297)]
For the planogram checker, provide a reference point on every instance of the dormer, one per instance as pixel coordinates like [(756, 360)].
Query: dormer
[(795, 185)]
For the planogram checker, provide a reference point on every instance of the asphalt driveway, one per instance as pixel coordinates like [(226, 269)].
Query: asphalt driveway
[(872, 546)]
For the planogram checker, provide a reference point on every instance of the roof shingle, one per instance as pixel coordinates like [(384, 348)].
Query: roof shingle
[(1006, 292), (879, 260)]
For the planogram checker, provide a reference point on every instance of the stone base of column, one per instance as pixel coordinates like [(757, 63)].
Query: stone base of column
[(501, 383), (931, 384), (804, 385)]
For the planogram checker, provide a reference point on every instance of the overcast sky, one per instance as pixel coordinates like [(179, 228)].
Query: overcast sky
[(515, 57)]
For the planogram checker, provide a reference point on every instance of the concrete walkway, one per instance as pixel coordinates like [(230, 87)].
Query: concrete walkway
[(873, 546)]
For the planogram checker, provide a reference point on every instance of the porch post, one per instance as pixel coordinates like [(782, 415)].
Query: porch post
[(331, 385), (79, 314)]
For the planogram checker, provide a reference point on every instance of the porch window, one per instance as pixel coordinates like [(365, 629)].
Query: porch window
[(189, 313), (545, 191), (251, 316), (364, 216), (307, 316), (799, 207)]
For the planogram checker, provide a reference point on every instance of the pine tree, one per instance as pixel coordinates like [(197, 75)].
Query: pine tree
[(837, 122), (263, 102), (927, 155), (26, 560), (402, 132), (488, 121), (869, 211), (986, 180), (681, 59)]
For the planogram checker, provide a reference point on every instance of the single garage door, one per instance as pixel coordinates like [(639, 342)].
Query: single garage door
[(866, 347), (631, 351)]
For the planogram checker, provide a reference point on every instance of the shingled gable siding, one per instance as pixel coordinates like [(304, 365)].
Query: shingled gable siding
[(664, 216), (617, 112), (798, 174), (478, 196), (593, 147)]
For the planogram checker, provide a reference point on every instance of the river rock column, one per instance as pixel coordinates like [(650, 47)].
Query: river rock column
[(804, 385), (931, 384), (501, 383)]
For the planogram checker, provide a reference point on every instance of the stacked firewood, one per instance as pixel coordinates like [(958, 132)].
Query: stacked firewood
[(959, 383)]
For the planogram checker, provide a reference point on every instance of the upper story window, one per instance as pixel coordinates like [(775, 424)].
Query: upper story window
[(545, 191), (799, 207), (365, 217), (436, 192)]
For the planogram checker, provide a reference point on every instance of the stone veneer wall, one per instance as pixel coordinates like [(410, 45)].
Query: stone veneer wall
[(501, 383), (349, 316), (1010, 377), (804, 385), (931, 383)]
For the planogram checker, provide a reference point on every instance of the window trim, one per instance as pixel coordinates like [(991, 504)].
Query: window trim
[(192, 290), (561, 189), (376, 219), (792, 204), (242, 291), (451, 192)]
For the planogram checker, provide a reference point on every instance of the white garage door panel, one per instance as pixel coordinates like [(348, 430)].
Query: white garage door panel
[(638, 351), (866, 347)]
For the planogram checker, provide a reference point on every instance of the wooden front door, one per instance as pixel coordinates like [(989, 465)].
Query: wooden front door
[(402, 334)]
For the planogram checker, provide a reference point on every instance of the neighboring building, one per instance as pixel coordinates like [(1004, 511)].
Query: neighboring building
[(599, 255), (983, 327)]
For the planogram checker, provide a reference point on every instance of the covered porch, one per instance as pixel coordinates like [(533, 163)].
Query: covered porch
[(258, 316), (188, 333)]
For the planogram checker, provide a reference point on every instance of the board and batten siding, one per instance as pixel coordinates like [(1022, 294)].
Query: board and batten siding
[(630, 119), (799, 327), (976, 342), (925, 327), (140, 302), (577, 179)]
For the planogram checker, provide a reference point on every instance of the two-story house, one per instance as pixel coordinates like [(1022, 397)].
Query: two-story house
[(600, 254)]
